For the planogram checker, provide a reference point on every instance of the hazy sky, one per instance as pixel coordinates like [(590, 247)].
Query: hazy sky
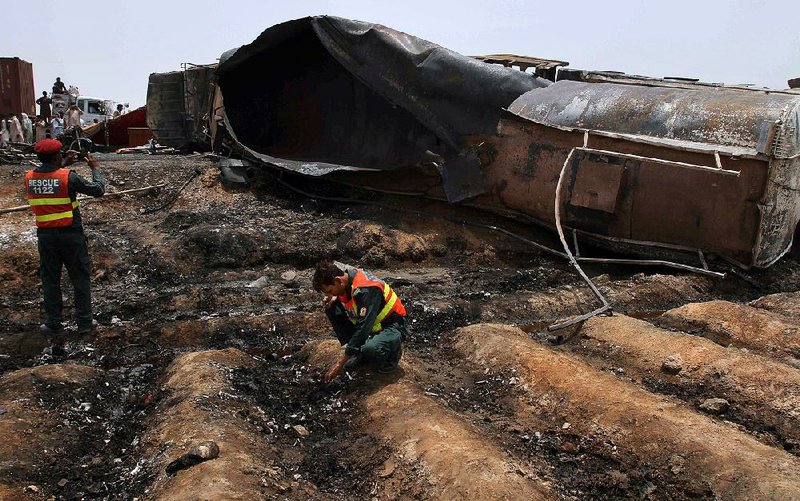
[(112, 47)]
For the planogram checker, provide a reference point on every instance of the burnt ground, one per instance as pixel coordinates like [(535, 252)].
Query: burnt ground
[(95, 417)]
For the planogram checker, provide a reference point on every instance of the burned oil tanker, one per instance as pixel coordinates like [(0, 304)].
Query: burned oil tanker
[(653, 167)]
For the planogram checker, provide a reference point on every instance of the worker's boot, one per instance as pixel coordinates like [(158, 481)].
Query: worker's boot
[(51, 330), (353, 363), (392, 363), (88, 328)]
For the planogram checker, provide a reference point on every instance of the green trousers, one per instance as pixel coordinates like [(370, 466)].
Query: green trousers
[(381, 349), (58, 249)]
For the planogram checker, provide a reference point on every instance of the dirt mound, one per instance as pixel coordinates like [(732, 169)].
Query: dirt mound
[(217, 247), (441, 455), (375, 245), (31, 433), (785, 303), (731, 324), (638, 294), (199, 406), (762, 393), (703, 456)]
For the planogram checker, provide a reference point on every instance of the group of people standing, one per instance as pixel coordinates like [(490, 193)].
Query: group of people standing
[(46, 101), (61, 120), (23, 129), (15, 129)]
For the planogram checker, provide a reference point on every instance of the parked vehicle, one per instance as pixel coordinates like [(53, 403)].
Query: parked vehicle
[(94, 108)]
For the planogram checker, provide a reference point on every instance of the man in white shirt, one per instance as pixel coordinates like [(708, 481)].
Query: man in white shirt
[(15, 130), (57, 126), (73, 117), (27, 127), (4, 136)]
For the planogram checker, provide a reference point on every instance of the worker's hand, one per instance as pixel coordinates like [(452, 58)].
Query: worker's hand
[(70, 157), (329, 301), (336, 368), (92, 161)]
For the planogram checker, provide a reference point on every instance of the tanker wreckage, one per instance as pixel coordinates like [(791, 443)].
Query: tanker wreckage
[(667, 169)]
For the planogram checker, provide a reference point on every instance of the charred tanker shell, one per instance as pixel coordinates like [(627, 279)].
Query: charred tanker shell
[(664, 169), (333, 91)]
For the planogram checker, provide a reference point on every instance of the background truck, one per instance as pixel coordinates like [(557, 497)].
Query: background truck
[(93, 108)]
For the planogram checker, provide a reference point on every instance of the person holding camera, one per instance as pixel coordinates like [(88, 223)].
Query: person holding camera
[(52, 191)]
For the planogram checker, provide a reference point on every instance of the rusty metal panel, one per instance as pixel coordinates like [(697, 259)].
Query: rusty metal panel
[(17, 94), (597, 185), (178, 103), (166, 109), (662, 205), (695, 209)]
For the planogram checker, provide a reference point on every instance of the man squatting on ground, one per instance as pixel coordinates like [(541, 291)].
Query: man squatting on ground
[(52, 191), (367, 317)]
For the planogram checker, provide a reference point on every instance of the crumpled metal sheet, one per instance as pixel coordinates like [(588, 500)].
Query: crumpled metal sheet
[(462, 178), (323, 93), (453, 95)]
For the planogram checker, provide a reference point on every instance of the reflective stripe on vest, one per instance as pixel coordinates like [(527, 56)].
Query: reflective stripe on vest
[(393, 303), (48, 196)]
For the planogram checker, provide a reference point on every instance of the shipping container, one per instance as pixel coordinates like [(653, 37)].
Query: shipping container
[(17, 94)]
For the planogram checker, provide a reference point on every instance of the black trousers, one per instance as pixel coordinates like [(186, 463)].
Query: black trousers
[(58, 249)]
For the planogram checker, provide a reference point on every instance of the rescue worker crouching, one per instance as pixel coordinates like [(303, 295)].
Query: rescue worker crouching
[(51, 191), (367, 317)]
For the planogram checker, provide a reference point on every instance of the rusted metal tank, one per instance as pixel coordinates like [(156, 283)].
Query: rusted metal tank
[(17, 94), (688, 168), (649, 166)]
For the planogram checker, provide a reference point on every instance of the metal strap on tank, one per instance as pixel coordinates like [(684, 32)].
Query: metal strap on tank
[(716, 170), (606, 307)]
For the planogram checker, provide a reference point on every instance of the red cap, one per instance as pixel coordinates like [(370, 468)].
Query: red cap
[(47, 146)]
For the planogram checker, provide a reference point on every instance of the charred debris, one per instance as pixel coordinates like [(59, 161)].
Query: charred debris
[(671, 171)]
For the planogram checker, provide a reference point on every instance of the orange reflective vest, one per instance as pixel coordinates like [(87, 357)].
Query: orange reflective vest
[(392, 303), (48, 196)]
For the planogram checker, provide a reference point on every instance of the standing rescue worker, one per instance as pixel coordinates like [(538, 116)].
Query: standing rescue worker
[(52, 191), (367, 317)]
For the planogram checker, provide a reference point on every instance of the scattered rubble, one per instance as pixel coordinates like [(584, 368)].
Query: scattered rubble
[(715, 406), (203, 452), (672, 364)]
